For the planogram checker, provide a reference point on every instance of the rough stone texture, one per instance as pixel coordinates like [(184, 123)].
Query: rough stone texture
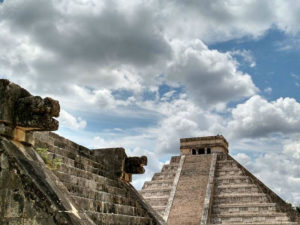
[(28, 193), (134, 165), (157, 191), (189, 197), (240, 198), (93, 182), (19, 108), (173, 190), (233, 195), (84, 188), (209, 192), (215, 144)]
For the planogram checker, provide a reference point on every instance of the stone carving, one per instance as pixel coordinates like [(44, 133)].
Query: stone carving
[(135, 165), (18, 108)]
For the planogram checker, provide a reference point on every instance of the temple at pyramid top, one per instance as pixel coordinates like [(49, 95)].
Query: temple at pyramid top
[(203, 145)]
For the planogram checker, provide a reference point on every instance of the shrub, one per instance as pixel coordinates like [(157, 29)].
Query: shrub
[(51, 164)]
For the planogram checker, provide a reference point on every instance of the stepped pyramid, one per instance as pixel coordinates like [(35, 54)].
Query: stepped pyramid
[(205, 185)]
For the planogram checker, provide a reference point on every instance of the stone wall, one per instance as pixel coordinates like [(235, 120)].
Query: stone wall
[(216, 144), (29, 192), (20, 199)]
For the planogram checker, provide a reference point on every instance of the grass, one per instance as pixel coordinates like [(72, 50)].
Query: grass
[(52, 164)]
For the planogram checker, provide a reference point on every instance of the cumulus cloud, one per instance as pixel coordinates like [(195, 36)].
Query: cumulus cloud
[(69, 121), (92, 45), (180, 117), (109, 46), (246, 55), (219, 20), (89, 36), (268, 90), (211, 77), (258, 118), (115, 56), (292, 148)]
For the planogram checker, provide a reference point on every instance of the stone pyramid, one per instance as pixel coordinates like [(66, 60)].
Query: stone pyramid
[(205, 185)]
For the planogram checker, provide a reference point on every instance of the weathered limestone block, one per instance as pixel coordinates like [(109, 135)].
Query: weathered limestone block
[(134, 165), (18, 108)]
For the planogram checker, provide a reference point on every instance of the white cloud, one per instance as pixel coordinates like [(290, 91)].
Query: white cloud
[(219, 20), (211, 77), (258, 118), (69, 121), (242, 158), (246, 55), (112, 57), (292, 148), (268, 90)]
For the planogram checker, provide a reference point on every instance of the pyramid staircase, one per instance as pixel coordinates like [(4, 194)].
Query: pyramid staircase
[(157, 191), (92, 187), (238, 199), (205, 185)]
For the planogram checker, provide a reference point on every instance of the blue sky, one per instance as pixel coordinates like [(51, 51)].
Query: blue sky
[(276, 67), (143, 74)]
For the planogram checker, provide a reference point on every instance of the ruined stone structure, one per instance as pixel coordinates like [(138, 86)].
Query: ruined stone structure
[(205, 185), (67, 184), (46, 179)]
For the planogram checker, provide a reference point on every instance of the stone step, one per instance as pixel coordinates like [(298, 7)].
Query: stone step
[(77, 164), (106, 207), (75, 155), (247, 207), (237, 188), (196, 158), (175, 159), (240, 197), (86, 174), (169, 167), (228, 172), (77, 172), (246, 185), (249, 217), (164, 176), (157, 200), (160, 209), (226, 168), (155, 192), (231, 177), (158, 184), (232, 180), (90, 184), (225, 162), (220, 168), (114, 219), (100, 195)]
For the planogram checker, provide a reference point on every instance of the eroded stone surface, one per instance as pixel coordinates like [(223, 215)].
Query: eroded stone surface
[(134, 165), (18, 108), (233, 195), (87, 187)]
